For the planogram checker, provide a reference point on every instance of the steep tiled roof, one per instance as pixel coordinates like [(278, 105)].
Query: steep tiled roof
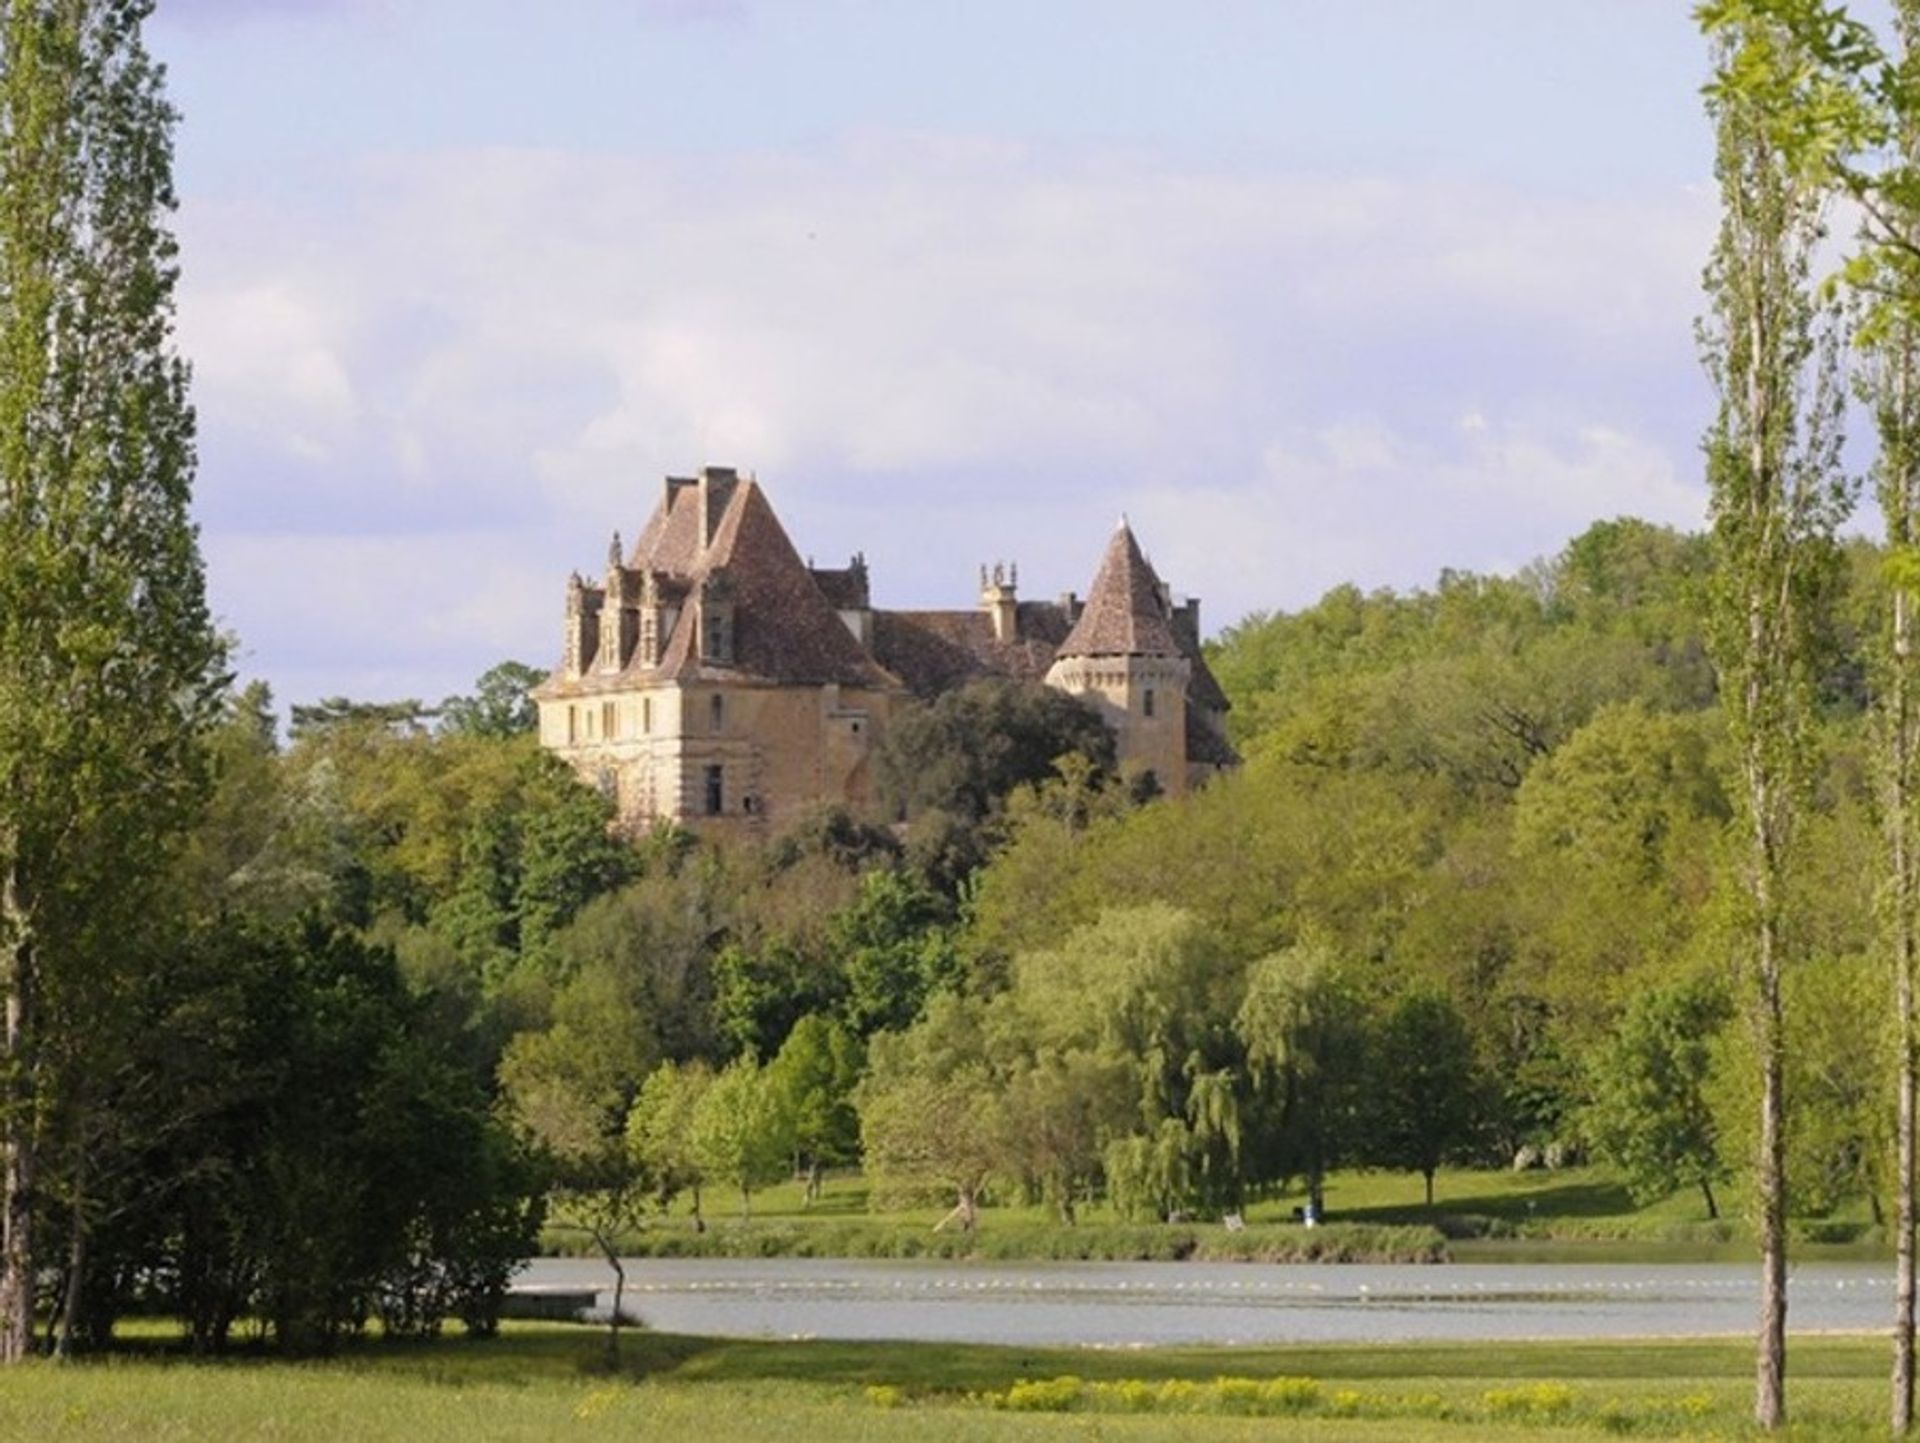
[(935, 651), (1126, 613), (784, 629)]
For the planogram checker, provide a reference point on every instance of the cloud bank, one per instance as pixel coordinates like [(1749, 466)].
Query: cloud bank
[(423, 404)]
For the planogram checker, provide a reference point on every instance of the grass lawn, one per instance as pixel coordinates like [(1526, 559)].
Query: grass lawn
[(1582, 1214), (548, 1381)]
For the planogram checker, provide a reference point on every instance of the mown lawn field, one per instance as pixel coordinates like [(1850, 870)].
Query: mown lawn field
[(551, 1381), (1573, 1214)]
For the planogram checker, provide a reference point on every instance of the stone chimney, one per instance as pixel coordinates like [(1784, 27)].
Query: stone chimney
[(1187, 615), (999, 588), (716, 490)]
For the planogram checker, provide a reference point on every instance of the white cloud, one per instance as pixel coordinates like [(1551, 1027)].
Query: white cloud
[(936, 351)]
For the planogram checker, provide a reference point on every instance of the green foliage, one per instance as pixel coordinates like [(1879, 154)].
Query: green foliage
[(502, 703), (811, 1083), (1304, 1027), (1426, 1105), (1649, 1113), (962, 753), (740, 1132), (660, 1130)]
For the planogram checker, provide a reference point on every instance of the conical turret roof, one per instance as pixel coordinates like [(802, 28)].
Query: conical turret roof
[(1126, 612)]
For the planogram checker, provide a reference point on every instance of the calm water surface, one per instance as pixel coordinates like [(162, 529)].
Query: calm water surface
[(1147, 1304)]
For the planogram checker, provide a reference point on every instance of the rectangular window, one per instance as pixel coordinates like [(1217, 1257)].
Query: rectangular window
[(716, 791), (646, 715), (609, 721), (573, 725), (1146, 701), (718, 711)]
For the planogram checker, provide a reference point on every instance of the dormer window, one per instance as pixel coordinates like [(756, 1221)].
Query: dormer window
[(716, 621), (1146, 702)]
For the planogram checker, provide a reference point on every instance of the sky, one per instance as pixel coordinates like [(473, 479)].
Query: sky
[(1313, 292)]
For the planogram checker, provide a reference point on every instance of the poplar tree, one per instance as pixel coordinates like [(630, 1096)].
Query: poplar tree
[(1776, 497), (109, 667)]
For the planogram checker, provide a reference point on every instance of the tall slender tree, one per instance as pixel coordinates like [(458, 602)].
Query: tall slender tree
[(1776, 498), (1850, 109), (1890, 383), (108, 664)]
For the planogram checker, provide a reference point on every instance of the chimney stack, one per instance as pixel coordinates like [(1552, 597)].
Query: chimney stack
[(999, 598)]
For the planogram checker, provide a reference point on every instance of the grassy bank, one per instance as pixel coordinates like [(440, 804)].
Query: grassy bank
[(1025, 1241), (1578, 1214), (543, 1382)]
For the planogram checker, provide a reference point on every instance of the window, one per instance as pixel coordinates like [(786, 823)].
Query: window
[(716, 790), (646, 715), (573, 725), (717, 713), (609, 727), (1146, 701), (719, 643)]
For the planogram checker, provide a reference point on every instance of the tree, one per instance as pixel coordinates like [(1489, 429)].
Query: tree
[(1775, 501), (740, 1132), (660, 1131), (1305, 1034), (812, 1082), (931, 1109), (962, 753), (1426, 1098), (502, 703), (1649, 1115), (108, 664)]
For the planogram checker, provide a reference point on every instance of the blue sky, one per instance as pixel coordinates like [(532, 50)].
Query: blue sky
[(1315, 292)]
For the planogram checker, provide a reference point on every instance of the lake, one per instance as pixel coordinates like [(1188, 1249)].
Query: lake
[(1157, 1304)]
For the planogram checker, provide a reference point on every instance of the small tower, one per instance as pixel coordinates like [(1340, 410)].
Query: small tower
[(1124, 658), (999, 598)]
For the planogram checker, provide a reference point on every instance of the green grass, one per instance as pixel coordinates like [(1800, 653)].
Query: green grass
[(1574, 1214), (547, 1381)]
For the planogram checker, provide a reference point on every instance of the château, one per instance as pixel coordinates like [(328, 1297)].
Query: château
[(712, 677)]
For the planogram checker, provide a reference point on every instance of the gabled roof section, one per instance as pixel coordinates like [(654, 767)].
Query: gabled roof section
[(784, 629), (935, 651), (1126, 613)]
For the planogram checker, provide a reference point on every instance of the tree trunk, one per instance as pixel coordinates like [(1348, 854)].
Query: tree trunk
[(969, 1210), (813, 1181), (1898, 502), (1428, 1175), (1899, 804), (76, 1289), (699, 1223), (614, 1319), (1770, 1361), (18, 1130), (1317, 1194), (1713, 1208)]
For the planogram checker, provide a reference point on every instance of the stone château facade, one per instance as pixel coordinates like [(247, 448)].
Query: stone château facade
[(712, 677)]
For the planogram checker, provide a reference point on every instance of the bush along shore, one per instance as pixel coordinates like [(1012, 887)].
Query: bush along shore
[(1025, 1242)]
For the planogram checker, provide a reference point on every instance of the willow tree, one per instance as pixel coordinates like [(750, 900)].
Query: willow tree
[(1776, 498), (108, 663)]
